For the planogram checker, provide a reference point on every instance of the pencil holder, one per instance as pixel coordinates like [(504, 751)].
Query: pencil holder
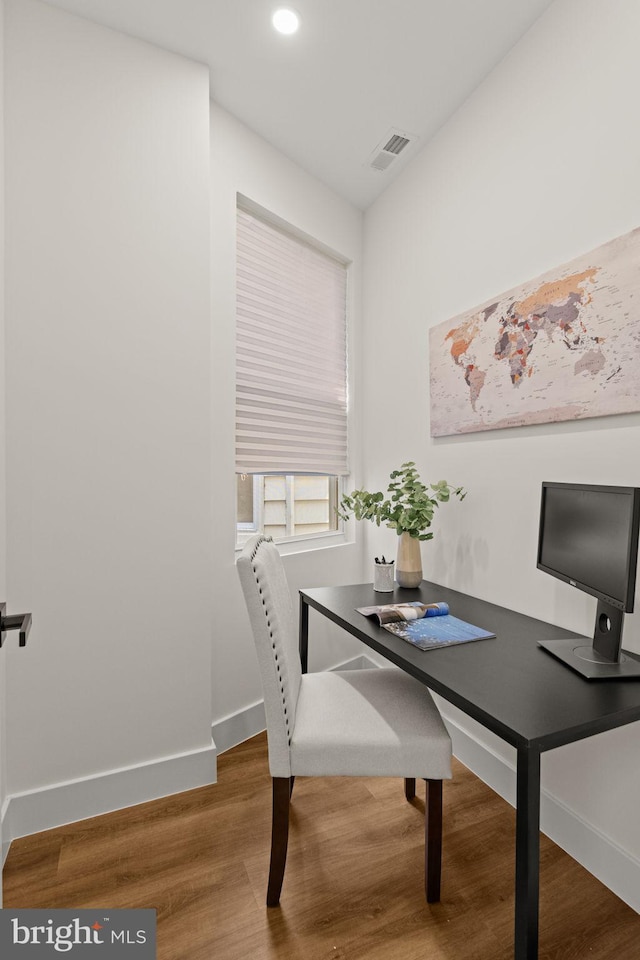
[(383, 577)]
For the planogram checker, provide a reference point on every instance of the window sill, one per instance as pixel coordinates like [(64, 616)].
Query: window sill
[(317, 541)]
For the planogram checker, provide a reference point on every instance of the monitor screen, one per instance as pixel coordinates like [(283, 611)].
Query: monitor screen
[(589, 538)]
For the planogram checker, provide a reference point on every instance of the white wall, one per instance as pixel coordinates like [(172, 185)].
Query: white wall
[(243, 163), (120, 420), (540, 165), (108, 415), (3, 694)]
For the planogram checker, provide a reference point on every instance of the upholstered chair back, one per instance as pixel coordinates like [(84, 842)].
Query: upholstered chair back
[(275, 634)]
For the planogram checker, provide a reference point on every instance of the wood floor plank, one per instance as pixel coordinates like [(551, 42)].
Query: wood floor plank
[(353, 888)]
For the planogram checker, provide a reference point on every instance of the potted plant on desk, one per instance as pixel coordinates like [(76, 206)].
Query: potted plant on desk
[(407, 508)]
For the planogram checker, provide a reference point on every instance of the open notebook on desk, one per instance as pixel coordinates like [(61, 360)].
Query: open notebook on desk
[(427, 626)]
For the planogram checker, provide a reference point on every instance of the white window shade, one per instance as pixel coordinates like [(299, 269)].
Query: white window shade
[(291, 354)]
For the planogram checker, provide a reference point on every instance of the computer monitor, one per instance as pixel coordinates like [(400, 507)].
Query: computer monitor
[(589, 539)]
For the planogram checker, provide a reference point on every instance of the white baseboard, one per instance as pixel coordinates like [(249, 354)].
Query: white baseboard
[(6, 843), (61, 803), (238, 727), (608, 862)]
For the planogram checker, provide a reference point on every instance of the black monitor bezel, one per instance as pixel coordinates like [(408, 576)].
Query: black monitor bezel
[(632, 553)]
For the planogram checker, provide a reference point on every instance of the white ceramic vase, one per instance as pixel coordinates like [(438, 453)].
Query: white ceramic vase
[(408, 561)]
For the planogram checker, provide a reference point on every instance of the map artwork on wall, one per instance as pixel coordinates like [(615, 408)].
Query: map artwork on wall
[(562, 347)]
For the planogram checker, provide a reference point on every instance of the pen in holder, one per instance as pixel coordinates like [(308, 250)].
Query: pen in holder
[(383, 576)]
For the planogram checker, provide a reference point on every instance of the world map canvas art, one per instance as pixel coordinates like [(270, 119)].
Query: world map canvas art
[(562, 347)]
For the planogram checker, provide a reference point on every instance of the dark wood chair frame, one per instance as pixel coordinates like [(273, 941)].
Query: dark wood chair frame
[(282, 791)]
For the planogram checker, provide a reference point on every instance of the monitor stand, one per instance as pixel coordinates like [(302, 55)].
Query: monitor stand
[(604, 659)]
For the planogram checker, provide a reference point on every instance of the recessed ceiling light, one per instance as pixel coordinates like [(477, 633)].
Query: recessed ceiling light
[(286, 21)]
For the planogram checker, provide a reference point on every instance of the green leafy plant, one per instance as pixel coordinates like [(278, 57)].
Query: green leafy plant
[(408, 507)]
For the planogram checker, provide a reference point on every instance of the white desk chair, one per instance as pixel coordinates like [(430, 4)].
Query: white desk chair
[(366, 723)]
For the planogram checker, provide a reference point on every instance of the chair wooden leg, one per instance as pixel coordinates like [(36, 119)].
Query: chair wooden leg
[(409, 788), (279, 838), (433, 840)]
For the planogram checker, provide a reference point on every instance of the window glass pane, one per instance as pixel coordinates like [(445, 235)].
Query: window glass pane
[(244, 489), (285, 506)]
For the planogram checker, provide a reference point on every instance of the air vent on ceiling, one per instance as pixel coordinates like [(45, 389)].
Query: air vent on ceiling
[(396, 144), (389, 149)]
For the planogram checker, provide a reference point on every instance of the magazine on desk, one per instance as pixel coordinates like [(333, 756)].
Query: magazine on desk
[(427, 626)]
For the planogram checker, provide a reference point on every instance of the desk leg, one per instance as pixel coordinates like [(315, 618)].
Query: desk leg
[(304, 634), (527, 854)]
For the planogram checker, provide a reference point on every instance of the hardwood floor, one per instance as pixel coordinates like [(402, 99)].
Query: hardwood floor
[(353, 888)]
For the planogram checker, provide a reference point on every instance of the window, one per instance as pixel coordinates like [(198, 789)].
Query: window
[(291, 380), (285, 506)]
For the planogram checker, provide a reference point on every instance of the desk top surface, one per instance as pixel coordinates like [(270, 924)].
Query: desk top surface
[(508, 683)]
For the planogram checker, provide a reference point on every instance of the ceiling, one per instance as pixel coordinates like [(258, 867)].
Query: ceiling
[(356, 71)]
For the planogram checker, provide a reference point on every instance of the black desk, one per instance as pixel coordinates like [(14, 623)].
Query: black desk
[(509, 684)]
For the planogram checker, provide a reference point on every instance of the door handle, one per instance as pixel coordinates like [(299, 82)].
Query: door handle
[(19, 621)]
